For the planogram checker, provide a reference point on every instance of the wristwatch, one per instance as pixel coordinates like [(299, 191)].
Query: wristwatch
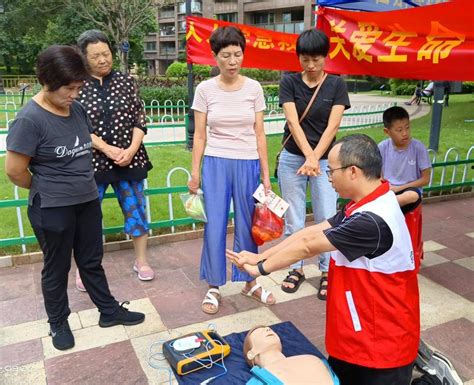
[(261, 269)]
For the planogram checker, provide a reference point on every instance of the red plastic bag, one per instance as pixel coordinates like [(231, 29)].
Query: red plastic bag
[(266, 225), (414, 220)]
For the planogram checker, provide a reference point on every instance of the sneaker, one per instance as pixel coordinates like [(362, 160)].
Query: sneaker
[(145, 272), (79, 284), (122, 316), (62, 335)]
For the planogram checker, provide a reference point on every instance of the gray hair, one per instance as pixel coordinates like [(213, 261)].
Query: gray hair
[(91, 36), (361, 151)]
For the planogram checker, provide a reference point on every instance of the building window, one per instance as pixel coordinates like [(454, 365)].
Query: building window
[(230, 17), (167, 48), (181, 24), (263, 18), (150, 46), (292, 16), (196, 7), (167, 30), (167, 12)]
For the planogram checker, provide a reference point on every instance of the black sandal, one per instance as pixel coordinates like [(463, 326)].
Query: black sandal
[(296, 282), (323, 285)]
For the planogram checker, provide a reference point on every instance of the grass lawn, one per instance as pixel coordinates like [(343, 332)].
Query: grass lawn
[(455, 132)]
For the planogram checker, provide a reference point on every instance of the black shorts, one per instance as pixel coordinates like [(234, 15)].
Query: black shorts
[(411, 206), (351, 374)]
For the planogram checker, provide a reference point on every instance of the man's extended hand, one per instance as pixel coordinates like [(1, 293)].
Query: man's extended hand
[(244, 257)]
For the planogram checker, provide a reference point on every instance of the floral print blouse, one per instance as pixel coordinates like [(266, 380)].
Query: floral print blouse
[(114, 110)]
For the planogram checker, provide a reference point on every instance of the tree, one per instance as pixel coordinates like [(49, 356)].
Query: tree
[(118, 19), (21, 26)]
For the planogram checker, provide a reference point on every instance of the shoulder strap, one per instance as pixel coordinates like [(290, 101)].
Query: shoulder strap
[(307, 108)]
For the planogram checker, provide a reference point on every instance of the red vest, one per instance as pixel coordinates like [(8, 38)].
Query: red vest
[(373, 315)]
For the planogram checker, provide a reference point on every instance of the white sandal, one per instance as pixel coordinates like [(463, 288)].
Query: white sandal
[(263, 296), (212, 299)]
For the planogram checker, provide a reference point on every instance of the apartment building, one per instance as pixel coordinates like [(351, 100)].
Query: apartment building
[(168, 43)]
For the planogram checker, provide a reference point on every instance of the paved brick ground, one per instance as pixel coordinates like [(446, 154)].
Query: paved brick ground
[(119, 355)]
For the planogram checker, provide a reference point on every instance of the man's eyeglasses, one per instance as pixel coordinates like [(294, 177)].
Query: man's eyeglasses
[(329, 172)]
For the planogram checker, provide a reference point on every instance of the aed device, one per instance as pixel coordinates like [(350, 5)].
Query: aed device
[(195, 351)]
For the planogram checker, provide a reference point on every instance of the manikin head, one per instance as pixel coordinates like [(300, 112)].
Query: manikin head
[(260, 339)]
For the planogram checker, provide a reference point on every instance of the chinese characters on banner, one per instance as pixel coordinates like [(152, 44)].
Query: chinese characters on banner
[(265, 49), (433, 42)]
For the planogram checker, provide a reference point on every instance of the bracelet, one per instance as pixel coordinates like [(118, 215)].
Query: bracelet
[(261, 269)]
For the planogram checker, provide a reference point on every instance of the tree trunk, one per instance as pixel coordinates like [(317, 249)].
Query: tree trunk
[(123, 57)]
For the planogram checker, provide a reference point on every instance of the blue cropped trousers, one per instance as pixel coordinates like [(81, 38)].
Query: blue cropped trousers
[(222, 180)]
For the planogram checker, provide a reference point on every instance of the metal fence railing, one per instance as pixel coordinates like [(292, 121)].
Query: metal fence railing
[(17, 81), (454, 175)]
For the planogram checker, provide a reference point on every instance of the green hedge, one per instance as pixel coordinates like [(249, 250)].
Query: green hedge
[(467, 87), (176, 93), (261, 75), (402, 86), (180, 70)]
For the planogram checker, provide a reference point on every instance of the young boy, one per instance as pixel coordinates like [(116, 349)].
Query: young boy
[(407, 166)]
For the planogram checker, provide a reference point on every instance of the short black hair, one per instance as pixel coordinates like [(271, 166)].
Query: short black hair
[(312, 42), (224, 36), (60, 65), (361, 151), (91, 36), (394, 113)]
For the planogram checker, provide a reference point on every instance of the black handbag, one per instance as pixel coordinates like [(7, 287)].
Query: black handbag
[(310, 103)]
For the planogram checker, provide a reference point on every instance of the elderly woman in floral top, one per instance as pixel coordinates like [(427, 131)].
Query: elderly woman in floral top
[(120, 159)]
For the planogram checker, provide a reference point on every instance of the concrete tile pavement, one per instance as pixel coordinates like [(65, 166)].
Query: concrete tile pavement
[(124, 355)]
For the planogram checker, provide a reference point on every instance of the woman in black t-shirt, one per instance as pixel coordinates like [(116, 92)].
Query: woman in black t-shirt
[(304, 158), (49, 152)]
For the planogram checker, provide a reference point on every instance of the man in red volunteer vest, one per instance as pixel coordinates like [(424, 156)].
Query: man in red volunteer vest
[(373, 319)]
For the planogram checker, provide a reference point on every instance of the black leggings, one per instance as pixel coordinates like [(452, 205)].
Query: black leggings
[(61, 231)]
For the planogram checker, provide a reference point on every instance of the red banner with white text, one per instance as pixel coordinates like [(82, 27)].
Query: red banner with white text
[(264, 49), (434, 42)]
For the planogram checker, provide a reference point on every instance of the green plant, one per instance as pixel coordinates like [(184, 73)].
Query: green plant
[(271, 90), (201, 71), (177, 70)]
